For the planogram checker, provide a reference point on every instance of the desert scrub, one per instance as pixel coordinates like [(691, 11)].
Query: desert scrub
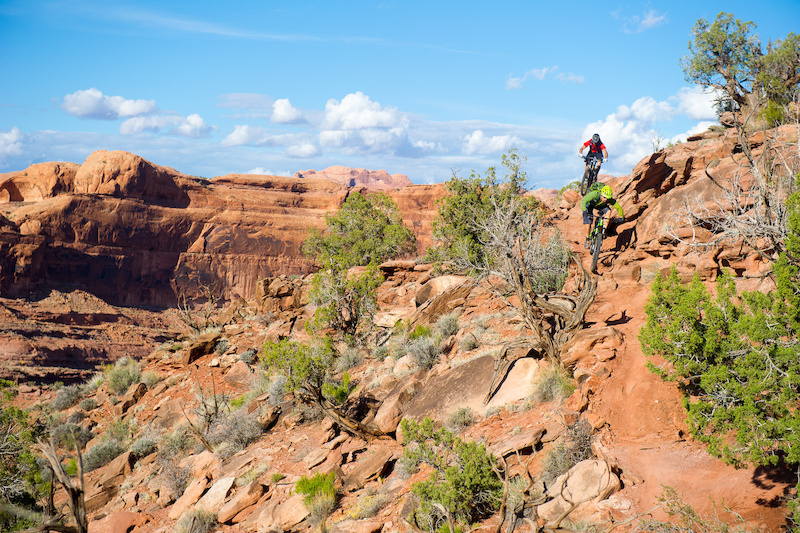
[(553, 385), (124, 373), (447, 325), (66, 397), (319, 493), (65, 435), (197, 521), (151, 379), (237, 429), (87, 404), (425, 351), (460, 419), (248, 356), (369, 505), (575, 446), (93, 383), (102, 454), (349, 359), (469, 342), (277, 477)]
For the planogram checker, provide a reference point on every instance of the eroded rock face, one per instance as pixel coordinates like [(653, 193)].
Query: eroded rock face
[(135, 233)]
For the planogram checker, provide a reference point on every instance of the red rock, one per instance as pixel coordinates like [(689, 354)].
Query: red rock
[(358, 177)]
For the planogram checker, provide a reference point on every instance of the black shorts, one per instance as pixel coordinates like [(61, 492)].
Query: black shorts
[(587, 215)]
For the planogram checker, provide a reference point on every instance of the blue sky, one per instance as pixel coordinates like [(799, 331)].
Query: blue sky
[(418, 88)]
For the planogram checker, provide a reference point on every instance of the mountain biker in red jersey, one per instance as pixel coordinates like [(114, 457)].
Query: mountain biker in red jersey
[(597, 150)]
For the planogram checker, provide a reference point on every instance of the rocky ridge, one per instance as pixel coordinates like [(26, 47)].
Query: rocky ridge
[(640, 444)]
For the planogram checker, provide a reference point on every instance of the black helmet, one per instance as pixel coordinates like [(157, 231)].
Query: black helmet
[(595, 138)]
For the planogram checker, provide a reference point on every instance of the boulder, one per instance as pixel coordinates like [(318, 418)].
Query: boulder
[(357, 526), (202, 345), (190, 497), (216, 495), (131, 397), (244, 498), (599, 343), (586, 484), (119, 522), (370, 465), (391, 410), (240, 375)]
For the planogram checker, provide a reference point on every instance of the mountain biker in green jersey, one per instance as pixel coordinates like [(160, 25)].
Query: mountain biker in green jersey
[(600, 197)]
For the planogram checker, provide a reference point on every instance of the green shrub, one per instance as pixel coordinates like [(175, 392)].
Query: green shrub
[(66, 397), (101, 454), (298, 362), (419, 332), (463, 481), (319, 493), (144, 445), (553, 385), (122, 375), (338, 393), (276, 477)]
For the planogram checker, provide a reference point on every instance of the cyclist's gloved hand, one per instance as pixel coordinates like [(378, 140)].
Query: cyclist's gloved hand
[(619, 220)]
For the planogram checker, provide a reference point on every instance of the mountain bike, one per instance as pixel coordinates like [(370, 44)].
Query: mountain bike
[(590, 174), (596, 240)]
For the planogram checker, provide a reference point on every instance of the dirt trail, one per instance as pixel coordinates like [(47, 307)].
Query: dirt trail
[(646, 432)]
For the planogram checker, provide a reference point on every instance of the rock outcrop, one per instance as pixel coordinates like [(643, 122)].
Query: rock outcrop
[(136, 233)]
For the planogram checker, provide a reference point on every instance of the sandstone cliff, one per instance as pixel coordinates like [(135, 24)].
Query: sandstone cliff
[(136, 233)]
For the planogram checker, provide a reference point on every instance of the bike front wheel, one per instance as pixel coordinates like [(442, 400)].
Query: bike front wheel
[(585, 182), (597, 245)]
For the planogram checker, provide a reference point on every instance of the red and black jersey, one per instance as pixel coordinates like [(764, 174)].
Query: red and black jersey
[(594, 148)]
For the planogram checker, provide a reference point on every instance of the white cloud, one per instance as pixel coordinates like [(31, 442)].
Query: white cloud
[(357, 111), (697, 103), (479, 143), (646, 109), (540, 74), (92, 103), (303, 150), (284, 113), (192, 126), (10, 143), (265, 172), (638, 24), (357, 124)]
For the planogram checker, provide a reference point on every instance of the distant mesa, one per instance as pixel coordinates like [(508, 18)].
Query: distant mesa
[(358, 177)]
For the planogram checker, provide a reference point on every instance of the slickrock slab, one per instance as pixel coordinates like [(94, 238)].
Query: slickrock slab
[(243, 499), (190, 496)]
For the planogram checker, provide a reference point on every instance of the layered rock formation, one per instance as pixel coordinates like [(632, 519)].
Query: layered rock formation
[(135, 233)]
